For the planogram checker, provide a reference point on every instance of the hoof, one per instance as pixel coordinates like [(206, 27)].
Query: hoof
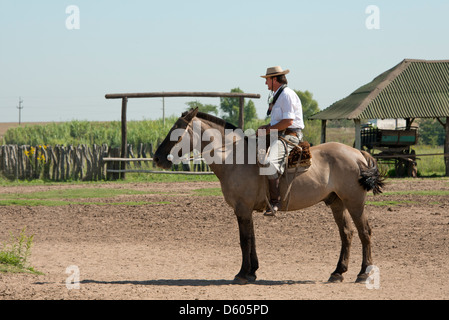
[(251, 278), (361, 278), (240, 280), (335, 278)]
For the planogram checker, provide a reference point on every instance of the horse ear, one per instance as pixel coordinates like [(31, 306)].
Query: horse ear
[(192, 113)]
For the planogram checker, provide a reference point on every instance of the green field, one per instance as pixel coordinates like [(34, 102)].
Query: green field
[(154, 131)]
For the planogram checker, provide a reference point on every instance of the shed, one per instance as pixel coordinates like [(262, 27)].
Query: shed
[(411, 89)]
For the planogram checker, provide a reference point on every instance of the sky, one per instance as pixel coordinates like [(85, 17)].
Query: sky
[(61, 62)]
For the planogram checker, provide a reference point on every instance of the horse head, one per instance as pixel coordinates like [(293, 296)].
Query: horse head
[(163, 157)]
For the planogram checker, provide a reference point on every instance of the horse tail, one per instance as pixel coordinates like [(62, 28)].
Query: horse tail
[(371, 178)]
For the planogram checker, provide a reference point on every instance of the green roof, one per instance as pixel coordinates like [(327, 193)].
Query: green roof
[(411, 89)]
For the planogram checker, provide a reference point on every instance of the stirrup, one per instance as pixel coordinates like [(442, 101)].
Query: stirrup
[(271, 211)]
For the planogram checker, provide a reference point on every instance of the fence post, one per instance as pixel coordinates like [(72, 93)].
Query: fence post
[(446, 147), (124, 135), (241, 112)]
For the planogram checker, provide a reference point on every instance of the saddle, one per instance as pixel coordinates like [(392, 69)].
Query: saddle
[(300, 155)]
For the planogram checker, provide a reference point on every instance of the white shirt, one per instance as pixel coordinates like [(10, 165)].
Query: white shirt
[(288, 106)]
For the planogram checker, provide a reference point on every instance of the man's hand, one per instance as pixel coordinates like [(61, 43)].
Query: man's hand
[(265, 127), (282, 125)]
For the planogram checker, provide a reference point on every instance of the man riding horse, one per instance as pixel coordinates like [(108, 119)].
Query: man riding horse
[(287, 118)]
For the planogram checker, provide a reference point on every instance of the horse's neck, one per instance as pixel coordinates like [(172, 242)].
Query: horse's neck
[(224, 148)]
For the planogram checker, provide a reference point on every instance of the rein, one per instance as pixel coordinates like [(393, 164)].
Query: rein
[(222, 147)]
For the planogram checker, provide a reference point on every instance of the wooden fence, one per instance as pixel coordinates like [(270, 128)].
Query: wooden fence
[(61, 163)]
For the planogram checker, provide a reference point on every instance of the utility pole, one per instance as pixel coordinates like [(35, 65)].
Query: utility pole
[(20, 107)]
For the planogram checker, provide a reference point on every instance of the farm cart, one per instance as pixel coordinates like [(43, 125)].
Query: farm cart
[(394, 147)]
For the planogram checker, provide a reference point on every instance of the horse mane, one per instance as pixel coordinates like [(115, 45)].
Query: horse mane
[(213, 119)]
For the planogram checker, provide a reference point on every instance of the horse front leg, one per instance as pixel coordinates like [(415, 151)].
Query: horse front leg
[(250, 263)]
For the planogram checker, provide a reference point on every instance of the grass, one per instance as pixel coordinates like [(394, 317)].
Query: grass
[(410, 192), (130, 178), (72, 194), (77, 196), (152, 177), (15, 254), (418, 193), (89, 132), (65, 197), (428, 166), (389, 203), (57, 203), (208, 192)]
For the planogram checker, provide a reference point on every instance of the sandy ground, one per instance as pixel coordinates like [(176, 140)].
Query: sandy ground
[(189, 248)]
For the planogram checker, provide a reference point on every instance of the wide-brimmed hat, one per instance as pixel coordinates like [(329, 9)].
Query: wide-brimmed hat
[(275, 71)]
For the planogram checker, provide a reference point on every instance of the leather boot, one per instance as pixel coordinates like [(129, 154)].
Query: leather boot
[(275, 197)]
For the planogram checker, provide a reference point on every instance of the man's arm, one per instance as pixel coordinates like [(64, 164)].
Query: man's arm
[(281, 125)]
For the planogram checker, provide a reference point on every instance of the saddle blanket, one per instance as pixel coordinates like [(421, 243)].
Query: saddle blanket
[(300, 156)]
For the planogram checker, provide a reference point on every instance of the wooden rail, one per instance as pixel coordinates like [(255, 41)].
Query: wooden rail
[(126, 96), (161, 172), (182, 94), (410, 155), (127, 159), (151, 171)]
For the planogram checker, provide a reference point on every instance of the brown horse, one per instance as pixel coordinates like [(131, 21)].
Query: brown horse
[(339, 175)]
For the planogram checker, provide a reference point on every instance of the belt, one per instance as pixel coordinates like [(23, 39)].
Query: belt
[(290, 132)]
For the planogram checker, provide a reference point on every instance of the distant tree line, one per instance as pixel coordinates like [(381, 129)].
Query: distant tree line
[(229, 107), (431, 132)]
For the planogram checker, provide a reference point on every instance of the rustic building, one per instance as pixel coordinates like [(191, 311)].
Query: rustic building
[(411, 89)]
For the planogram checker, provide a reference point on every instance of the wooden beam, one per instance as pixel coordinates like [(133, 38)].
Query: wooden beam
[(200, 173), (446, 146), (410, 155), (182, 94), (358, 138), (241, 112), (127, 159), (441, 122), (323, 131)]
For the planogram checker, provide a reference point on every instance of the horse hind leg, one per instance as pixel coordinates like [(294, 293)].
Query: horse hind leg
[(346, 232), (364, 230)]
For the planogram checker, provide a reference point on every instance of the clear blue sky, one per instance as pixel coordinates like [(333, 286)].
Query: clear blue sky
[(145, 46)]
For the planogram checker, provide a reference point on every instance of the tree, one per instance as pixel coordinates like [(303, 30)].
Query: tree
[(208, 108), (250, 112), (230, 109), (431, 132), (309, 105)]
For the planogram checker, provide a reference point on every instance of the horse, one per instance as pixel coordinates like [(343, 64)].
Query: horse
[(339, 175)]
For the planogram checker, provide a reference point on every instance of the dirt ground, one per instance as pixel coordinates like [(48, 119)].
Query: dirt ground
[(189, 248)]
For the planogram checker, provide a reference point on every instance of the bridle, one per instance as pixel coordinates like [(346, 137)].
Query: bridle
[(221, 148)]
